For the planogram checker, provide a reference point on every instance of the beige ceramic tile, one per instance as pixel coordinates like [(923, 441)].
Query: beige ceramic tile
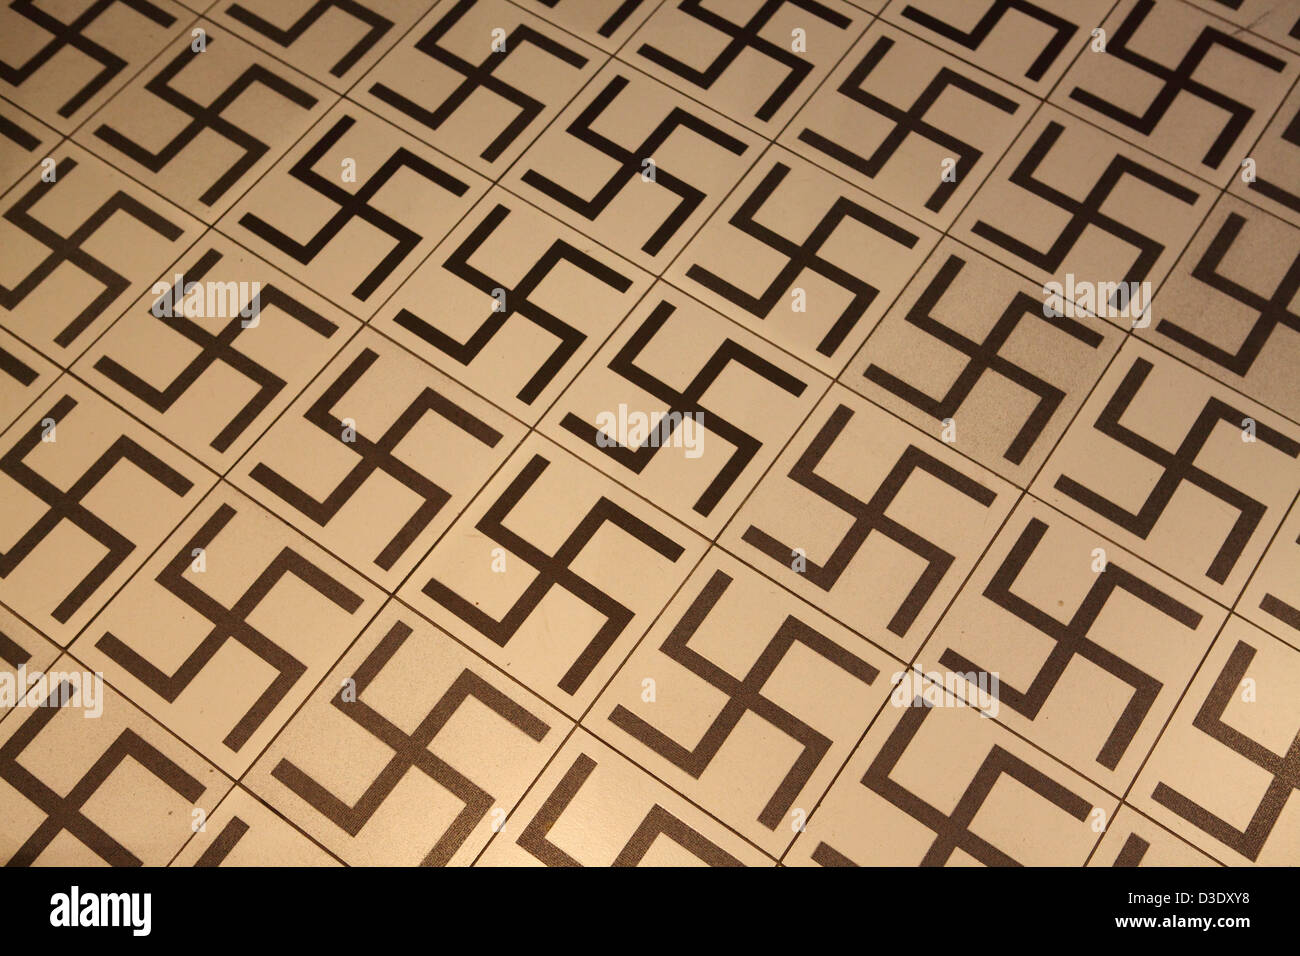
[(634, 165), (803, 259), (553, 573), (89, 494), (752, 60), (1270, 182), (1030, 46), (1100, 220), (1190, 88), (593, 807), (81, 241), (1232, 305), (353, 208), (745, 699), (870, 520), (1186, 473), (84, 789), (1220, 776), (605, 23), (412, 752), (909, 124), (685, 408), (1279, 22), (227, 628), (938, 785), (1073, 643), (377, 457), (205, 120), (216, 350), (976, 355), (60, 62), (513, 304), (334, 43), (479, 81)]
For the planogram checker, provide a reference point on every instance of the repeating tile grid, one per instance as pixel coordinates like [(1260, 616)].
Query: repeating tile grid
[(625, 60)]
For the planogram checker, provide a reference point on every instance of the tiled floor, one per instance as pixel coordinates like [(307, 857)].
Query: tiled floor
[(334, 336)]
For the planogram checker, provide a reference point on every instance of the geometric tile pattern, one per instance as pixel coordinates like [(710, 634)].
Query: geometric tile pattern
[(650, 432)]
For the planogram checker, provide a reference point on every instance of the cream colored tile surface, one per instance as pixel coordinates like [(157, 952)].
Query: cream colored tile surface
[(649, 433)]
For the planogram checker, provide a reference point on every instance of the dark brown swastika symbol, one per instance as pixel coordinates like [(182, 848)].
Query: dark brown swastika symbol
[(230, 624), (554, 571), (744, 696), (411, 751), (952, 831), (657, 822)]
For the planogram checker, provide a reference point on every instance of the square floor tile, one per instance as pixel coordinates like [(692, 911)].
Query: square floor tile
[(753, 60), (89, 494), (81, 243), (227, 628), (938, 785), (353, 208), (593, 807), (413, 751), (922, 138), (976, 355), (1030, 45), (804, 259), (1269, 180), (1220, 776), (1188, 87), (685, 408), (1095, 220), (649, 432), (479, 81), (745, 699), (216, 350), (85, 789), (1279, 22), (1073, 643), (378, 457), (554, 573), (61, 63), (1184, 472), (634, 165), (605, 23), (205, 120), (333, 43), (869, 520), (1232, 305), (513, 304)]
